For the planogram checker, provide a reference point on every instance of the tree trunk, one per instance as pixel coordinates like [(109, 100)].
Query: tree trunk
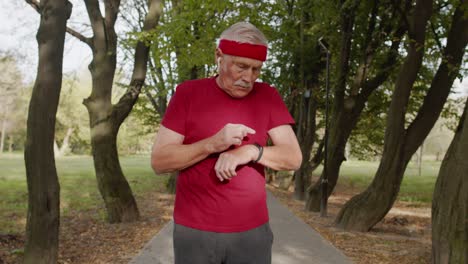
[(306, 128), (420, 157), (42, 227), (337, 143), (114, 188), (66, 141), (450, 202), (60, 151), (363, 211), (298, 176), (105, 119), (347, 22), (2, 139), (307, 61), (10, 143)]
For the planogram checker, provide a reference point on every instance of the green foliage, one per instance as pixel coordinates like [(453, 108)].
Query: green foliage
[(72, 114), (367, 139), (146, 114), (13, 104), (436, 38), (16, 134), (184, 42), (135, 136), (183, 47), (452, 112), (294, 52), (185, 38), (78, 186)]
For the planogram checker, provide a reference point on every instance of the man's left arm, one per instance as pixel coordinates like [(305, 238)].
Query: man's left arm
[(285, 153)]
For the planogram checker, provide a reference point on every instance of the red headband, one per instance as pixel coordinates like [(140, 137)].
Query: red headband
[(253, 51)]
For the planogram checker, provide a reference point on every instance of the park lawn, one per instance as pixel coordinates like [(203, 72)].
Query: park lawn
[(415, 188), (79, 190), (78, 187)]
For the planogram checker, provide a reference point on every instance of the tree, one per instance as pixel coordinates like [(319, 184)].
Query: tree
[(403, 138), (450, 201), (149, 108), (371, 33), (298, 59), (106, 118), (42, 226)]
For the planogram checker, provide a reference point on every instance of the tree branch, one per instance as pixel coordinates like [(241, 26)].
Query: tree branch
[(390, 59), (111, 11), (94, 14), (441, 84), (319, 155), (80, 37), (368, 50), (126, 102), (347, 15), (436, 37), (404, 14), (153, 102), (36, 5)]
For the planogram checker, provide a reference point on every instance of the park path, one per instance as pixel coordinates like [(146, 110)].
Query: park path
[(295, 242)]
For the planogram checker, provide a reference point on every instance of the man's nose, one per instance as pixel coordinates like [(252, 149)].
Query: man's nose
[(248, 76)]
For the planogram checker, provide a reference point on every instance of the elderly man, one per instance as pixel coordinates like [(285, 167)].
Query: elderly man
[(214, 133)]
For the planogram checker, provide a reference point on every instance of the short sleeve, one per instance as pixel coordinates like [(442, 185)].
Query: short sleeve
[(279, 113), (176, 112)]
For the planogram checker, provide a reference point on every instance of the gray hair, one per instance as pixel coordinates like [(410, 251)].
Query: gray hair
[(244, 32)]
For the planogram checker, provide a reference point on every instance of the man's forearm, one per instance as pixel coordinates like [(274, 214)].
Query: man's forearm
[(170, 154), (174, 157), (281, 157)]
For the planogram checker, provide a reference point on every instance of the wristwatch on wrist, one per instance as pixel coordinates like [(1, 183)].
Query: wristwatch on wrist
[(260, 152)]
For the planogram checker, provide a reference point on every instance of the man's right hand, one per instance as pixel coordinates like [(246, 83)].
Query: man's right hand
[(170, 154), (230, 134)]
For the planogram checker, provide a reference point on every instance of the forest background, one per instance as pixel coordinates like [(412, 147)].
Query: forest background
[(396, 79)]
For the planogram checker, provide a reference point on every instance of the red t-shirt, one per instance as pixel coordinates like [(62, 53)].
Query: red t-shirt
[(199, 109)]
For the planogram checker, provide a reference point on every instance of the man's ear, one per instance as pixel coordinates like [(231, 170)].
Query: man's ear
[(218, 55)]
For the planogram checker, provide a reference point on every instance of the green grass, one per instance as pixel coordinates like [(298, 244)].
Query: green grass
[(78, 187), (414, 188)]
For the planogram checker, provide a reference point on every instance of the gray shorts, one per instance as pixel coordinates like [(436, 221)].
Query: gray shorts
[(192, 246)]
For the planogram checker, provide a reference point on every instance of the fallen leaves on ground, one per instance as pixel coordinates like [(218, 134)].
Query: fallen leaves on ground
[(85, 237), (403, 237), (400, 238)]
